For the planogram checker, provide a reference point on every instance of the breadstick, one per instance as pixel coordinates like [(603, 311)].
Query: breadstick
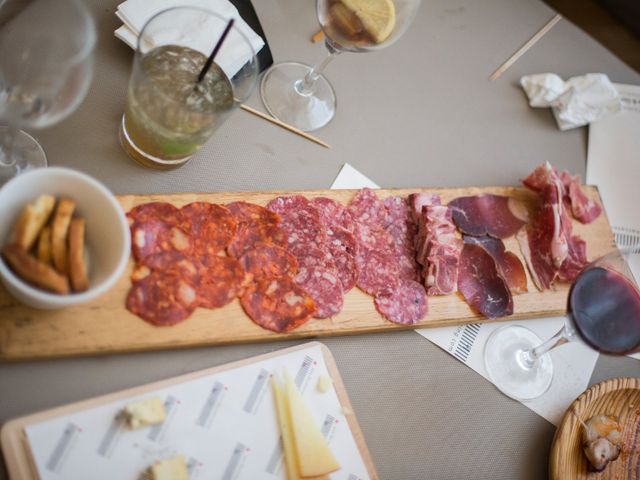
[(44, 246), (31, 220), (34, 271), (77, 268), (59, 232)]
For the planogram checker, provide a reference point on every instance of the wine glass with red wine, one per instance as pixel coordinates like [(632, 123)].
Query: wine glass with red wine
[(603, 311), (298, 94)]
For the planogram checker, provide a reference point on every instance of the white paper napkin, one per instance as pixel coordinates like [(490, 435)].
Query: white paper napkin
[(573, 363), (614, 166), (234, 53), (576, 102)]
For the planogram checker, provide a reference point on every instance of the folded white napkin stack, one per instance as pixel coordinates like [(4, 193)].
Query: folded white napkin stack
[(576, 102), (234, 53)]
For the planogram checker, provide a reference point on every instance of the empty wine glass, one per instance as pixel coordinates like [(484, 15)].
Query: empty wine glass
[(299, 94), (46, 65), (603, 310)]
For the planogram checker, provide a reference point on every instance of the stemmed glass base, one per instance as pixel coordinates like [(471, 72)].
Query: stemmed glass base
[(285, 97), (508, 360), (20, 153)]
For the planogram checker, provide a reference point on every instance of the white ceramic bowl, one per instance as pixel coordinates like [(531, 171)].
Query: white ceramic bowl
[(108, 242)]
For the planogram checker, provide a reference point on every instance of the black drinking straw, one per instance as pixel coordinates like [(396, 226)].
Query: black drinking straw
[(209, 61)]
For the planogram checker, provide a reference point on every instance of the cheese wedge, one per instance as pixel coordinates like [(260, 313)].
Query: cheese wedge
[(145, 412), (174, 468), (290, 459), (312, 451)]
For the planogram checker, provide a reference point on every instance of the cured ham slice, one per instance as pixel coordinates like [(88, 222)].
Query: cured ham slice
[(488, 214), (583, 209), (509, 264), (481, 284), (548, 245), (438, 250), (419, 200)]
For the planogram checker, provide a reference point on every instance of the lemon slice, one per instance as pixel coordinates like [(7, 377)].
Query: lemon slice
[(378, 17)]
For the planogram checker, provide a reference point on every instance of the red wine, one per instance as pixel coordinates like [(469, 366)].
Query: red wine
[(605, 307)]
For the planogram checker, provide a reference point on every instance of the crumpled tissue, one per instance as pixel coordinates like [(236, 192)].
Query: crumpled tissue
[(576, 102)]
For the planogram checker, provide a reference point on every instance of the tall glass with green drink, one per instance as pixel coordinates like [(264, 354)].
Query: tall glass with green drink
[(169, 115)]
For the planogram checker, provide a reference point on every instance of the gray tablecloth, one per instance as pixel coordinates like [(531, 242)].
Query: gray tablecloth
[(421, 113)]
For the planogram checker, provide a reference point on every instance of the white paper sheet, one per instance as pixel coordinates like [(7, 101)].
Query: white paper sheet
[(224, 424), (573, 363), (614, 166)]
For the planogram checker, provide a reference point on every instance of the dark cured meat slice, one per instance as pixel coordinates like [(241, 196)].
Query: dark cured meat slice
[(575, 261), (278, 304), (248, 234), (245, 212), (155, 236), (488, 214), (267, 260), (324, 287), (376, 271), (170, 261), (367, 209), (508, 263), (155, 211), (405, 303), (162, 298), (221, 280), (212, 226), (481, 285), (333, 213)]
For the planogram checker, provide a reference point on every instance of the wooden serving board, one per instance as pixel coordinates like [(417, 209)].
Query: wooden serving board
[(105, 326), (17, 450)]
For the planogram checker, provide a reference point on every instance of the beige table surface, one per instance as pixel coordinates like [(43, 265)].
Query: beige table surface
[(421, 113)]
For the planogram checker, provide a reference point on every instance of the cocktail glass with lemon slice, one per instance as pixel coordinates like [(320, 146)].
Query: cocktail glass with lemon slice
[(299, 94)]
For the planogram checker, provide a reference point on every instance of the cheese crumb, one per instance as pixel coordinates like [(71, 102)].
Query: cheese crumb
[(145, 412), (174, 468), (324, 384)]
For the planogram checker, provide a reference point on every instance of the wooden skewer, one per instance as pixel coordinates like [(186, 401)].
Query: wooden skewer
[(319, 35), (548, 26), (286, 126)]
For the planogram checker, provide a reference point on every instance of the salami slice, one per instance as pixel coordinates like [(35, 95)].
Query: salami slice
[(373, 238), (339, 238), (248, 234), (311, 256), (376, 271), (300, 220), (367, 209), (170, 261), (221, 280), (405, 303), (346, 269), (162, 298), (324, 287), (212, 226), (155, 211), (155, 236), (267, 260), (333, 214), (278, 304), (245, 212)]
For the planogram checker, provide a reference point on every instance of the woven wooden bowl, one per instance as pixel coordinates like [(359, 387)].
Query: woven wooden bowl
[(616, 396)]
